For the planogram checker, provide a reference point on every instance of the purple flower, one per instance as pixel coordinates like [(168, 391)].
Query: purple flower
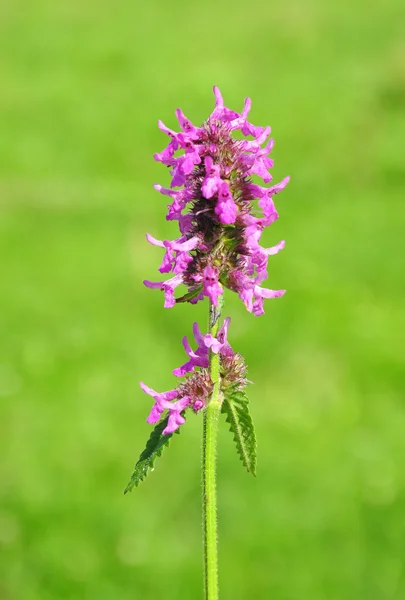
[(220, 228), (241, 122), (212, 179), (255, 145), (175, 209), (172, 134), (192, 132), (177, 256), (166, 156), (212, 288), (198, 405), (175, 417), (261, 293), (260, 256), (252, 295), (191, 156), (199, 358), (162, 402), (259, 163), (226, 208), (220, 344), (177, 173), (167, 286), (266, 194), (221, 112)]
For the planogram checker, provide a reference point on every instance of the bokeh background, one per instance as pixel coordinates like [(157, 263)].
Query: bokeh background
[(82, 86)]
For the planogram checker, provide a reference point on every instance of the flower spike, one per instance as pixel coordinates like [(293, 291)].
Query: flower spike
[(212, 195), (221, 214)]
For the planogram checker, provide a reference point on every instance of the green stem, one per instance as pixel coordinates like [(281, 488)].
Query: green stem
[(209, 453)]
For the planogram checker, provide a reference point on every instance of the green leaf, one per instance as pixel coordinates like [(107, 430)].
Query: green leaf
[(236, 408), (189, 296), (154, 448)]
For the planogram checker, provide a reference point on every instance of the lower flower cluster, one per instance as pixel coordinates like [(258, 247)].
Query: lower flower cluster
[(195, 391)]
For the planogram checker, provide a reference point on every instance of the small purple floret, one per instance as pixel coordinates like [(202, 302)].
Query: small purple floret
[(168, 287), (226, 208), (197, 358), (212, 288), (220, 344)]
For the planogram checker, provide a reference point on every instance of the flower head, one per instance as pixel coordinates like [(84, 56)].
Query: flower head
[(212, 199), (196, 390)]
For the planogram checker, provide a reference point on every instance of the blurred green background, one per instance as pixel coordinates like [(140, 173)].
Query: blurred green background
[(82, 85)]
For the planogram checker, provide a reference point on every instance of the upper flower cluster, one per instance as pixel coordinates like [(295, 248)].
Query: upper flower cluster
[(196, 390), (219, 243)]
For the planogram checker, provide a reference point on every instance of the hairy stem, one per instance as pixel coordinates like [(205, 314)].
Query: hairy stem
[(209, 452)]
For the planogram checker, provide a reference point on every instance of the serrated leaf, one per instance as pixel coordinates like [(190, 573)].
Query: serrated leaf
[(236, 408), (154, 448)]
